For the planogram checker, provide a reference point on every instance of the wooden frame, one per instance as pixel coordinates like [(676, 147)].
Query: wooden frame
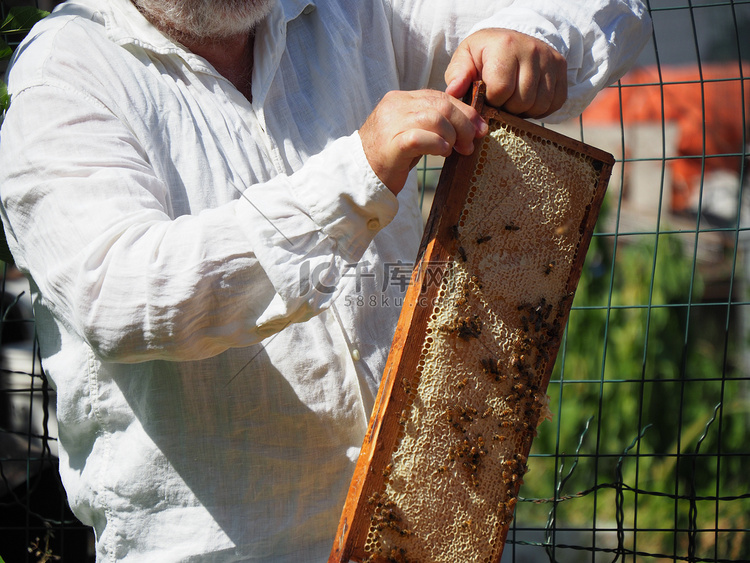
[(442, 252)]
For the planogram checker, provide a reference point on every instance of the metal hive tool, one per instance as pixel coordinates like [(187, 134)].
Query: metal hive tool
[(465, 384)]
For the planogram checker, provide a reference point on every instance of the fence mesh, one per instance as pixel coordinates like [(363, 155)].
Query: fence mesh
[(646, 458)]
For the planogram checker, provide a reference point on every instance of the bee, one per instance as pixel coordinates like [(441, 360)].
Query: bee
[(465, 328), (468, 414), (547, 311), (522, 427), (485, 238), (397, 555), (562, 229), (462, 253), (554, 330), (512, 227), (469, 327), (449, 415), (549, 267), (406, 384), (506, 508), (464, 450), (442, 469), (454, 232), (543, 352), (392, 516), (387, 470), (566, 297)]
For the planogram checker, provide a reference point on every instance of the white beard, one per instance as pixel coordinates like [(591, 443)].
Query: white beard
[(202, 20)]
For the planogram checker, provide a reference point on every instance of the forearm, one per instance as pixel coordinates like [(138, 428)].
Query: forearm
[(91, 222)]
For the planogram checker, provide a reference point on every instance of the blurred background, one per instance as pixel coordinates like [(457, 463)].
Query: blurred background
[(647, 456)]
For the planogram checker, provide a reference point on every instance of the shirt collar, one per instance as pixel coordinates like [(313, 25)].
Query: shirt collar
[(126, 25), (294, 8)]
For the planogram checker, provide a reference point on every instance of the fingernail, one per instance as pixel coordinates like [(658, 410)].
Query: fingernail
[(482, 127), (466, 149)]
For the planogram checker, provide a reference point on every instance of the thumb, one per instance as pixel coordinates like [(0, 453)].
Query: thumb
[(461, 72)]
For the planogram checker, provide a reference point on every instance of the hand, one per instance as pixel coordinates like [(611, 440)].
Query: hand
[(524, 75), (405, 126)]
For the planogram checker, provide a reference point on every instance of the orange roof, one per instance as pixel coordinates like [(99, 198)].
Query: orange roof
[(684, 95)]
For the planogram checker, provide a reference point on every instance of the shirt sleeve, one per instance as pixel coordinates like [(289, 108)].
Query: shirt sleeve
[(89, 220), (600, 39)]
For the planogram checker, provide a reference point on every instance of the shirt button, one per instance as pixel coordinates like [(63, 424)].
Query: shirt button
[(355, 355), (373, 224)]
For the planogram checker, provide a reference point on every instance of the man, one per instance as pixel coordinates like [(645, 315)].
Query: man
[(212, 200)]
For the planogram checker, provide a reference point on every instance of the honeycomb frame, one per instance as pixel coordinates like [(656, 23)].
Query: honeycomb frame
[(464, 388)]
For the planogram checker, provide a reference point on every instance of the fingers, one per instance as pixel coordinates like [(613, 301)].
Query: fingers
[(452, 121), (523, 75), (461, 73), (416, 143), (533, 83), (407, 125)]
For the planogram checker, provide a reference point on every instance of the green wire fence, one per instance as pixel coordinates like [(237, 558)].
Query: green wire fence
[(648, 455)]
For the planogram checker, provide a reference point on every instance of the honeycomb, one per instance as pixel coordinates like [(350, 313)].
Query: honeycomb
[(465, 390)]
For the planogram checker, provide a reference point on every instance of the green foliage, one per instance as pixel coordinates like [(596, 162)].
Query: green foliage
[(5, 50), (21, 19), (636, 385), (18, 22)]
